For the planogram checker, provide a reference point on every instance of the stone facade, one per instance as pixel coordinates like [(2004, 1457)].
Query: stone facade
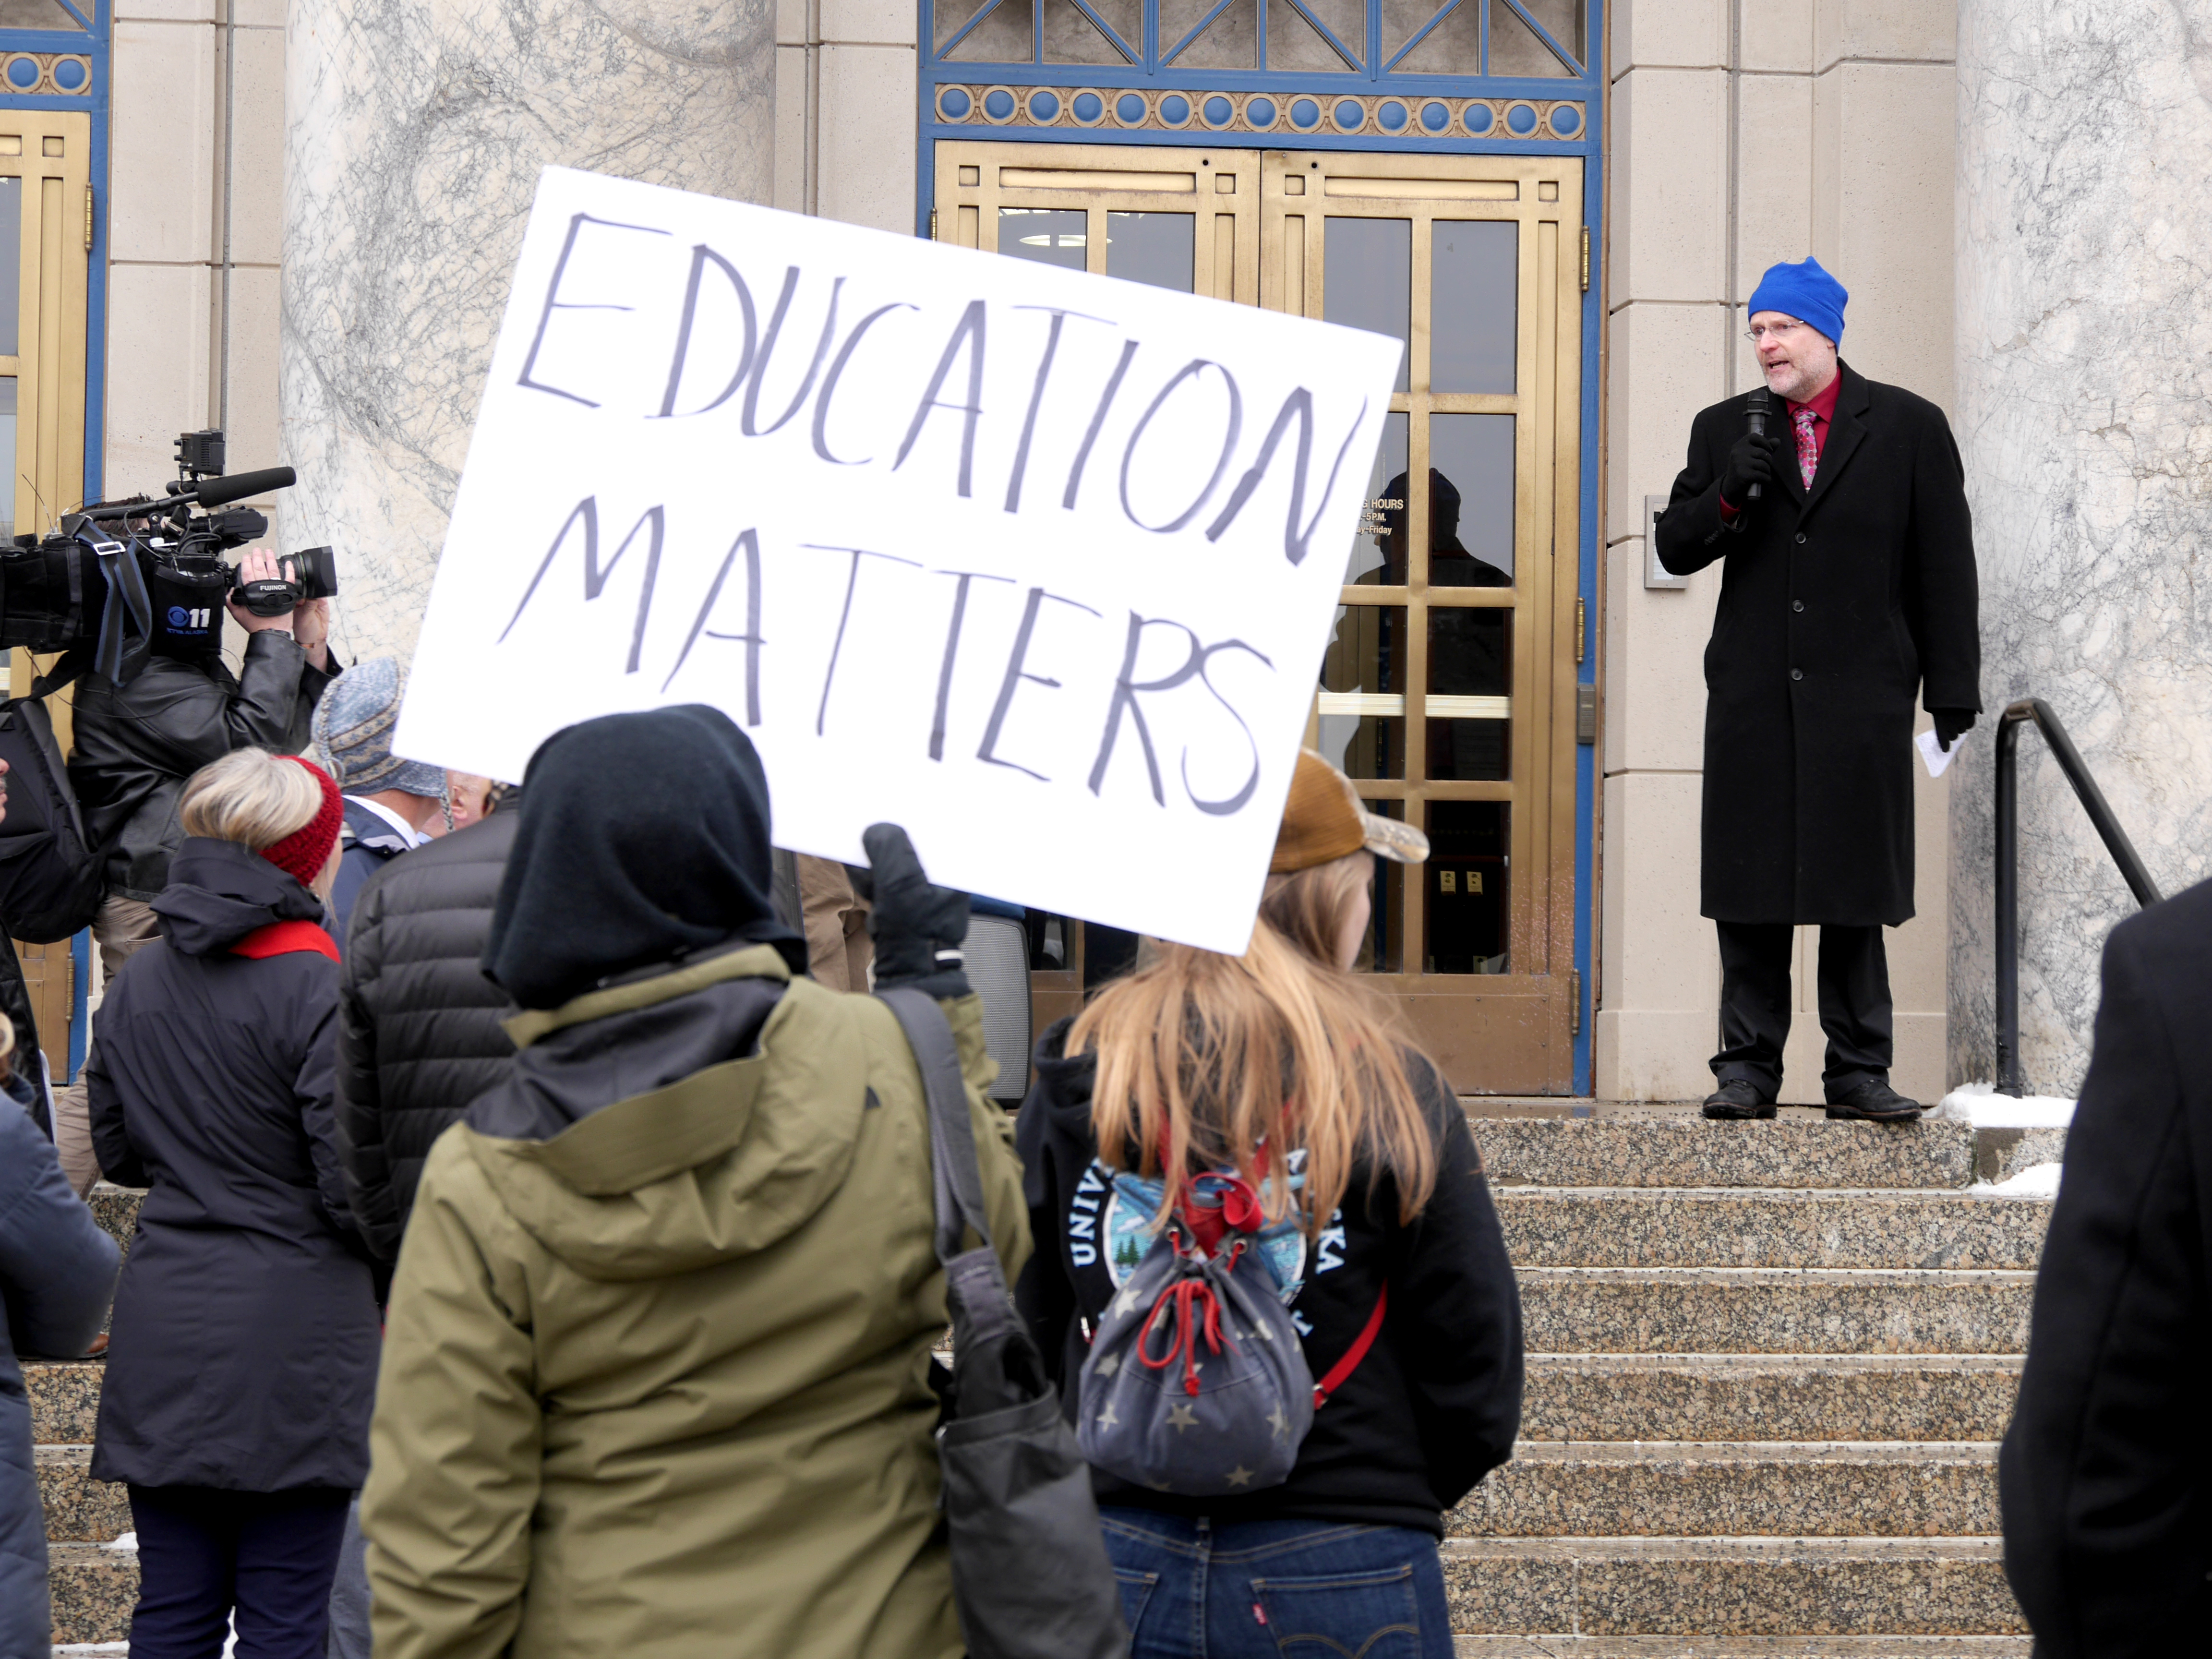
[(2085, 399)]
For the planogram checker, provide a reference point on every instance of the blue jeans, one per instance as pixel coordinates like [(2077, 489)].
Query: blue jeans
[(1276, 1589)]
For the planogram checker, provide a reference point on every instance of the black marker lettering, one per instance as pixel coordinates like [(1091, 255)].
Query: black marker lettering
[(851, 581), (829, 383), (1015, 675), (701, 253), (767, 351), (952, 649), (595, 577), (1228, 444), (1300, 403), (969, 331), (1234, 803), (750, 541), (1036, 396), (576, 222), (1098, 421)]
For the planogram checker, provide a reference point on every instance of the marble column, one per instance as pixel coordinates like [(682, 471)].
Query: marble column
[(2085, 416), (415, 130)]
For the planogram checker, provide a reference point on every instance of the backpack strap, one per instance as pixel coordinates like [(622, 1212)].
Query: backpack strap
[(1343, 1368), (955, 1175)]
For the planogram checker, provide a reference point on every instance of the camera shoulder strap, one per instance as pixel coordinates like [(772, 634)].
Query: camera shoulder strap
[(73, 661)]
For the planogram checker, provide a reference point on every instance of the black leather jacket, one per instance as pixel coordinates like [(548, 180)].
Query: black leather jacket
[(137, 744)]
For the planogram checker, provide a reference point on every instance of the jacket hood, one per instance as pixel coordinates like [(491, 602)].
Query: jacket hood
[(220, 891), (1063, 1081), (679, 1120)]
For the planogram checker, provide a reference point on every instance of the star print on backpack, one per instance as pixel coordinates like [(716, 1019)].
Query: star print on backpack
[(1196, 1382)]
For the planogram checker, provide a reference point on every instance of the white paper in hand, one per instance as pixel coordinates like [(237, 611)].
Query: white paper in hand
[(1041, 565), (1933, 752)]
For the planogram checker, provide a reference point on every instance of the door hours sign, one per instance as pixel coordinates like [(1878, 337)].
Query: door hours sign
[(1039, 564)]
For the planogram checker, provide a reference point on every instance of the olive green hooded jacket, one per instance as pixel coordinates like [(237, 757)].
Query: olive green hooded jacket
[(655, 1386)]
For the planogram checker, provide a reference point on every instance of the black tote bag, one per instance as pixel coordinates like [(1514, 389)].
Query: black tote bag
[(1029, 1573)]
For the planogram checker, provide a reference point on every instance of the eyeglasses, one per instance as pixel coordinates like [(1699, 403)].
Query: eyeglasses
[(1760, 331)]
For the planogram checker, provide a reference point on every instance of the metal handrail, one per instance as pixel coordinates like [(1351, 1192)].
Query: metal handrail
[(2007, 871)]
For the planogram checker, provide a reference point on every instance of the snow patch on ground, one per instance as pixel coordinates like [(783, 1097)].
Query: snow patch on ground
[(2037, 1181), (1981, 1105), (129, 1540)]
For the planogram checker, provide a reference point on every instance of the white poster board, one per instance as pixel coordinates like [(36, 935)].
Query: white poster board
[(1039, 564)]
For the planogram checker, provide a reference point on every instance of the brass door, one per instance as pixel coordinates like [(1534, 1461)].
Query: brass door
[(1448, 690)]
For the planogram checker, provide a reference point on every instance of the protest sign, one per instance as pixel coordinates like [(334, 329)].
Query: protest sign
[(1039, 564)]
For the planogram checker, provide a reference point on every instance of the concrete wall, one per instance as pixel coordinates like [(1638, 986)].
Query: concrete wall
[(1771, 129), (165, 226)]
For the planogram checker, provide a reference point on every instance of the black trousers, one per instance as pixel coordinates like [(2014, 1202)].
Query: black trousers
[(205, 1556), (1855, 1005)]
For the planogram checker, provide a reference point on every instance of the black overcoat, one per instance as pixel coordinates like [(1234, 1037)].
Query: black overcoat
[(246, 1338), (2106, 1471), (1837, 606)]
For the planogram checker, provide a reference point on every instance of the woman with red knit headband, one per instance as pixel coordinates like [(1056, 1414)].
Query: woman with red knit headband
[(243, 1362)]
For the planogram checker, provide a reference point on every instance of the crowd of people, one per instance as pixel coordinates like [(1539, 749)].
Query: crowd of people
[(542, 1248)]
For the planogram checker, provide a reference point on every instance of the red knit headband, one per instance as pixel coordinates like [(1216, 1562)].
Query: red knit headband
[(304, 852)]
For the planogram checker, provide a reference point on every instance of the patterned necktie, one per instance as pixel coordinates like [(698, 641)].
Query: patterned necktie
[(1808, 452)]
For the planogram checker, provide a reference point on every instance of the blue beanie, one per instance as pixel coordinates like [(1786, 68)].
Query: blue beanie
[(1805, 291)]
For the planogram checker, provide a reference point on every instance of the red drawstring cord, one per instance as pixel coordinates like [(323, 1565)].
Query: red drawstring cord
[(1190, 1325)]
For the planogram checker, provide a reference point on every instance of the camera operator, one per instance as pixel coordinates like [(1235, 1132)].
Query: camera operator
[(136, 745)]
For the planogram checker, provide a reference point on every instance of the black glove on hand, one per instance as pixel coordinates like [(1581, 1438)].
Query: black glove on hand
[(1750, 462), (1951, 725), (918, 928)]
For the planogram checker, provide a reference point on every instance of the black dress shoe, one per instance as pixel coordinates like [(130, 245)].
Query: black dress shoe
[(1875, 1102), (1736, 1098)]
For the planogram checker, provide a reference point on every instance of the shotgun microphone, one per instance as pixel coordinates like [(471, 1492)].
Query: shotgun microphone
[(1755, 405)]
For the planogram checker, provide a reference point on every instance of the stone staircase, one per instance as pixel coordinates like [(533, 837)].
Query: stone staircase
[(1768, 1366)]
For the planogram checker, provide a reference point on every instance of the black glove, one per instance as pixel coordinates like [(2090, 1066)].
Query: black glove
[(1951, 725), (1750, 462), (918, 928)]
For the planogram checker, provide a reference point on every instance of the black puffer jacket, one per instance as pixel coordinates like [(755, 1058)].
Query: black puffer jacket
[(419, 1033), (245, 1344), (137, 744)]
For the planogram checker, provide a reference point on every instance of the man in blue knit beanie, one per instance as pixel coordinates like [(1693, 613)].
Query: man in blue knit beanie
[(1836, 507)]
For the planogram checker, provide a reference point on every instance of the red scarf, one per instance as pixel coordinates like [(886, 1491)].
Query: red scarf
[(280, 937)]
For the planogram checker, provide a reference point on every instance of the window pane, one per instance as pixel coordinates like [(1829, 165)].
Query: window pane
[(1367, 278), (1071, 38), (1152, 248), (8, 452), (1230, 40), (11, 274), (1051, 236), (1384, 952), (1514, 48), (1003, 37), (1470, 655), (1378, 551), (1464, 918), (1473, 288), (1294, 44), (1363, 727), (1470, 500), (41, 15), (1453, 46)]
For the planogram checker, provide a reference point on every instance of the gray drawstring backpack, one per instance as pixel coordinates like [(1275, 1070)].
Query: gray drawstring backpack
[(1030, 1577), (1196, 1382)]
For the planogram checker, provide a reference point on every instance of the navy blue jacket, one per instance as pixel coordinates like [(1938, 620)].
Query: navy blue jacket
[(57, 1273), (367, 843)]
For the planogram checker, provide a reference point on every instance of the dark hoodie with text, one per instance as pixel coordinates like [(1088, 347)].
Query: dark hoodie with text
[(1436, 1403)]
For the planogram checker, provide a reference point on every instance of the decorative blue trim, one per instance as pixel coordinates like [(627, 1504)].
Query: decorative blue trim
[(80, 1004)]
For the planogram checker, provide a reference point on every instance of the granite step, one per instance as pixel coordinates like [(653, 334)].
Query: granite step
[(1765, 1488), (1745, 1586), (79, 1509), (1684, 1150), (1741, 1397), (1555, 1646), (93, 1590), (1775, 1311), (65, 1396), (1767, 1227)]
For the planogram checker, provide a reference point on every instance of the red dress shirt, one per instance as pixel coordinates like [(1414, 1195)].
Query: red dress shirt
[(1823, 405)]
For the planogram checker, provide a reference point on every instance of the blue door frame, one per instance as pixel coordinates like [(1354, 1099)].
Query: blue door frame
[(1368, 107), (63, 68)]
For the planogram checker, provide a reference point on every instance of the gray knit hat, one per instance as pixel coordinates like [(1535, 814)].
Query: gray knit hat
[(353, 733)]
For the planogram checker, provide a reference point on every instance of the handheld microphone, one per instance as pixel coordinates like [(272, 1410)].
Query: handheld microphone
[(1756, 403)]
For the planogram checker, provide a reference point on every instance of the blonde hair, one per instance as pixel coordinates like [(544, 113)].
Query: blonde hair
[(7, 1047), (250, 796), (1203, 1057)]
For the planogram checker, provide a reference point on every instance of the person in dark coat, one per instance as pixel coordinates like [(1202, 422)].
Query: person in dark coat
[(136, 742), (241, 1369), (392, 806), (2105, 1476), (420, 1031), (1849, 587), (57, 1273)]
